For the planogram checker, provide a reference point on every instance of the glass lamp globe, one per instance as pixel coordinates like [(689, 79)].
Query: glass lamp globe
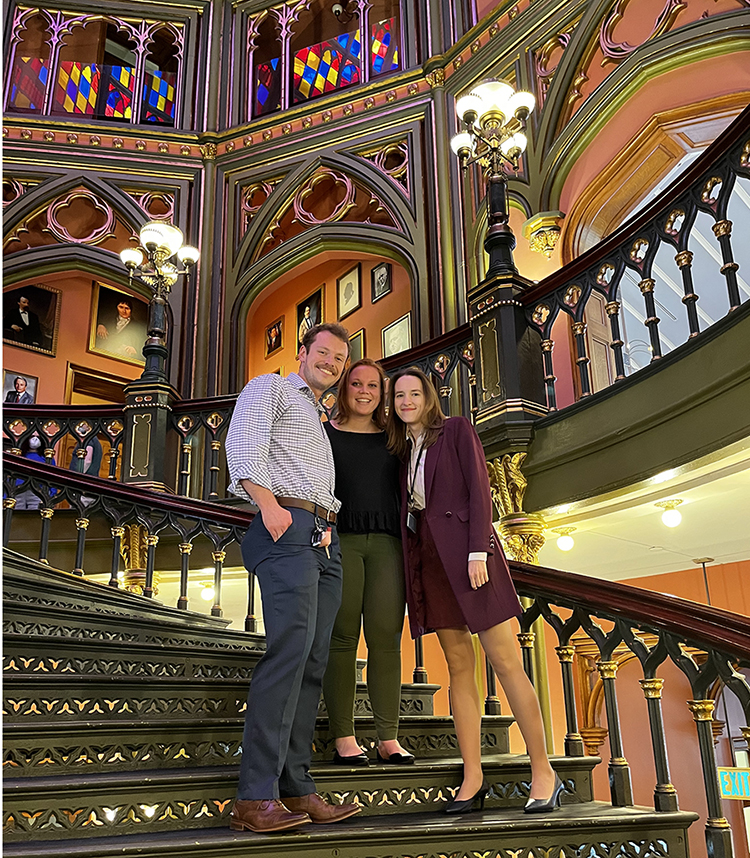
[(207, 594), (461, 143), (495, 95), (150, 235), (520, 104), (468, 107), (514, 146), (671, 517), (188, 255), (131, 257), (565, 543)]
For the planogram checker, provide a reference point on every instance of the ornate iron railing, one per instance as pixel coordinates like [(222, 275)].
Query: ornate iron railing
[(651, 255), (136, 519), (614, 621)]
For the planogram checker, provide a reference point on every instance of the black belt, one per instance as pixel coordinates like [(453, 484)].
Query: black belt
[(314, 508)]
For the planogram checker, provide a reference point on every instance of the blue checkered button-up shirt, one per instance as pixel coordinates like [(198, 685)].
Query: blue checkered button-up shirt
[(276, 440)]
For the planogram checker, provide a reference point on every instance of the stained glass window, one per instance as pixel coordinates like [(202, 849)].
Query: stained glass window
[(327, 66), (77, 88), (267, 88), (384, 53), (159, 91), (28, 83)]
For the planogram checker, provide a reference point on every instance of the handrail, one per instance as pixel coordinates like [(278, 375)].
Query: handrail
[(723, 143), (175, 504), (721, 630)]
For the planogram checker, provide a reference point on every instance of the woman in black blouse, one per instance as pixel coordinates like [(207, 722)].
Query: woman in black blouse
[(369, 527)]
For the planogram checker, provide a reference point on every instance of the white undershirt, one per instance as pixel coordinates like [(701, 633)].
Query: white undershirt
[(417, 486)]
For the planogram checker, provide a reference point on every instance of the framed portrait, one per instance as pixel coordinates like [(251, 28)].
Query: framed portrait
[(31, 317), (275, 336), (309, 313), (381, 281), (357, 345), (19, 388), (119, 324), (349, 292), (397, 336)]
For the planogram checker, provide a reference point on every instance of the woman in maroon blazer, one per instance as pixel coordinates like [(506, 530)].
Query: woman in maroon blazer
[(457, 579)]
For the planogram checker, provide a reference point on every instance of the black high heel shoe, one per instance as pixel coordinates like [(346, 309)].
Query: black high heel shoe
[(541, 805), (467, 805), (351, 760)]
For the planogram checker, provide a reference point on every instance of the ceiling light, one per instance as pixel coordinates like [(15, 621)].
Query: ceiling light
[(564, 541), (207, 593), (671, 516)]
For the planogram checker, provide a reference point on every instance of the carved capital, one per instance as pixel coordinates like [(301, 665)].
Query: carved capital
[(435, 78), (526, 639), (703, 710), (579, 328), (612, 308), (186, 547), (82, 523), (208, 151), (684, 258), (722, 227), (565, 653), (219, 556), (646, 285), (607, 669), (507, 483), (652, 688)]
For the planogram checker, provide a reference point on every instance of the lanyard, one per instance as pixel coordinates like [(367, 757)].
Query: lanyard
[(414, 475)]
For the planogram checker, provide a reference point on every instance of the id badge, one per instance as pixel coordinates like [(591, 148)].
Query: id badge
[(411, 521)]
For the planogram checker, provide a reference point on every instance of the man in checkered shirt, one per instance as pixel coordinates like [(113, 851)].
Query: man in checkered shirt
[(280, 459)]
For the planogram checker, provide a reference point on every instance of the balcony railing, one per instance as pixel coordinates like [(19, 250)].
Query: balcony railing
[(595, 620)]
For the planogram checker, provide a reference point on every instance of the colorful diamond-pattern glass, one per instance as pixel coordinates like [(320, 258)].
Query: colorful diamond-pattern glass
[(159, 92), (28, 83), (267, 88), (77, 88), (119, 82), (384, 47), (327, 66)]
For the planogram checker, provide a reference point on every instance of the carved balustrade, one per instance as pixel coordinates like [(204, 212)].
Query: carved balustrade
[(137, 520), (654, 254), (618, 622)]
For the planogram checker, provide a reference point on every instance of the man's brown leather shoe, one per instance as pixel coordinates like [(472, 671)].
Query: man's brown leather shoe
[(319, 809), (266, 815)]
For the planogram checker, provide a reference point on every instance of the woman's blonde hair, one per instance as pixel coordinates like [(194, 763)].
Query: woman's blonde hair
[(432, 419), (343, 411)]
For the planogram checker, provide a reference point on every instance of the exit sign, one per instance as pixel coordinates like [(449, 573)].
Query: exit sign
[(734, 783)]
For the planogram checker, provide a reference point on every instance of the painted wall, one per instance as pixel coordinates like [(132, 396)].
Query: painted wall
[(72, 342), (280, 301)]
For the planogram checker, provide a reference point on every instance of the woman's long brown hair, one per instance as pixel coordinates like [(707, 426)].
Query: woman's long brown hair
[(343, 411), (432, 420)]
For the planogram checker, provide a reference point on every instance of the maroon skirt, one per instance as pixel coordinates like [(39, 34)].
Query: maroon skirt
[(432, 603)]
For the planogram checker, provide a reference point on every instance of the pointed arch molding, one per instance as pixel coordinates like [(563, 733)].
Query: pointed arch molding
[(55, 191), (354, 238), (365, 196), (563, 134)]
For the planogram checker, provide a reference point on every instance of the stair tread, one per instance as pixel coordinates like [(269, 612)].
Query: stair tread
[(351, 831), (321, 770)]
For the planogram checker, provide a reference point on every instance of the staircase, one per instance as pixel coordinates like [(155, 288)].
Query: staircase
[(123, 720)]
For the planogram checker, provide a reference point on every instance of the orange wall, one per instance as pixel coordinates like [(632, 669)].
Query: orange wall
[(687, 85), (72, 342), (282, 302), (728, 585)]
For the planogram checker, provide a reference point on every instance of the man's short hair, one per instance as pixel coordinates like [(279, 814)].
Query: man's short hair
[(127, 301), (332, 327), (20, 378)]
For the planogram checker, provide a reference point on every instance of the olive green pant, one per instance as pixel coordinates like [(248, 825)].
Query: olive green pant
[(373, 592)]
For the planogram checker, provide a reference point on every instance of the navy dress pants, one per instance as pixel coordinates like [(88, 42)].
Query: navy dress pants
[(301, 591)]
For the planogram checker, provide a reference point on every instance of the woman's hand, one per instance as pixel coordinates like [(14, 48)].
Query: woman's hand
[(478, 573)]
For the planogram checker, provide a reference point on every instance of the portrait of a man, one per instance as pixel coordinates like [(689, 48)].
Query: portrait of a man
[(30, 317), (309, 313), (120, 324), (381, 281), (18, 389), (274, 336)]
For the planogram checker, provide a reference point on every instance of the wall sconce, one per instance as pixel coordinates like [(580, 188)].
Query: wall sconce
[(564, 541), (671, 516)]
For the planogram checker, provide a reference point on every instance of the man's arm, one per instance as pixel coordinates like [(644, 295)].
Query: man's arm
[(275, 518)]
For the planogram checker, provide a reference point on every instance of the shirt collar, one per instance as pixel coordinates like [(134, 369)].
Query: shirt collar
[(299, 383)]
